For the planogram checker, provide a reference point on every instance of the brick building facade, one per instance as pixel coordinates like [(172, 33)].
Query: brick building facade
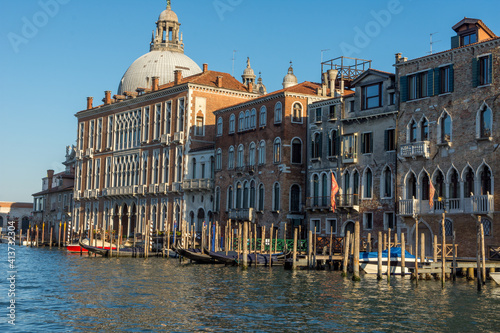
[(447, 135)]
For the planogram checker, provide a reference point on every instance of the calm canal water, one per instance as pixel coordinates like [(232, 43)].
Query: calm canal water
[(57, 292)]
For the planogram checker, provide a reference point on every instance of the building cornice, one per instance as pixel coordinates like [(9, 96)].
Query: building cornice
[(477, 46)]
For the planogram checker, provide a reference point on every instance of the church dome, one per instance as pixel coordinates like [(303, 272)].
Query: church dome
[(168, 15), (290, 79), (165, 57), (156, 63)]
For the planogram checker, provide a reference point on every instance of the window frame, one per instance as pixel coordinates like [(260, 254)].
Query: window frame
[(365, 98)]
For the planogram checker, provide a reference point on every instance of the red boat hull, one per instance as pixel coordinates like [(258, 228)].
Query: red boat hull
[(78, 249)]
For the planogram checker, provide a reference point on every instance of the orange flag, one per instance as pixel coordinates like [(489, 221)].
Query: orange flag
[(333, 192), (432, 190)]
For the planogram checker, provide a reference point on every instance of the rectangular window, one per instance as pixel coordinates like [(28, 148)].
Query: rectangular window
[(389, 221), (350, 149), (331, 226), (392, 98), (146, 125), (469, 39), (366, 143), (318, 115), (81, 135), (180, 115), (390, 140), (444, 78), (333, 112), (351, 106), (417, 85), (109, 138), (99, 134), (484, 70), (199, 126), (168, 116), (372, 96), (91, 134), (368, 221), (315, 225), (59, 198), (157, 121)]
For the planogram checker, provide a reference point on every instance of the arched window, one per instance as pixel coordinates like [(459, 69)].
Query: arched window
[(295, 198), (252, 194), (262, 152), (445, 127), (219, 126), (316, 145), (297, 113), (241, 122), (218, 159), (296, 151), (469, 183), (231, 123), (355, 185), (387, 183), (246, 193), (368, 184), (485, 122), (439, 184), (251, 154), (253, 118), (315, 184), (263, 116), (193, 170), (412, 134), (278, 113), (230, 161), (333, 144), (411, 187), (230, 197), (454, 186), (276, 197), (425, 187), (179, 168), (241, 157), (191, 218), (217, 199), (247, 120), (239, 190), (277, 150), (261, 198), (324, 190), (424, 130), (485, 177)]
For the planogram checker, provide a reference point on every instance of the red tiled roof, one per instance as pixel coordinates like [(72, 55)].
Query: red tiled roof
[(209, 78)]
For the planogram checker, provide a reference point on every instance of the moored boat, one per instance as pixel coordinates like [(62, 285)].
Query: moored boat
[(495, 276), (136, 251), (368, 261), (76, 248)]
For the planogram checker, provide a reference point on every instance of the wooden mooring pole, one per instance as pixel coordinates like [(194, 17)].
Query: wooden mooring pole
[(245, 244), (294, 263), (379, 256), (403, 254), (478, 254), (389, 255), (443, 250), (416, 250), (355, 276), (345, 262), (483, 259)]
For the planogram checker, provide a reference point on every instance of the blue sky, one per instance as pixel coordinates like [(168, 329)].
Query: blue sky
[(55, 53)]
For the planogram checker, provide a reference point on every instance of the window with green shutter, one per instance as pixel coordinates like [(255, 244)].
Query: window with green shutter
[(403, 84), (475, 74)]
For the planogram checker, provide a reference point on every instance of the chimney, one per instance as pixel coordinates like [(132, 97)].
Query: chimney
[(90, 101), (205, 68), (50, 177), (219, 81), (107, 97), (332, 75), (324, 84), (178, 77), (398, 57), (156, 83)]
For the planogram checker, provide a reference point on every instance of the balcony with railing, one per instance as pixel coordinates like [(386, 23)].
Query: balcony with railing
[(318, 203), (242, 214), (477, 204), (177, 187), (165, 139), (121, 191), (416, 149), (178, 138), (89, 153), (348, 201), (198, 184)]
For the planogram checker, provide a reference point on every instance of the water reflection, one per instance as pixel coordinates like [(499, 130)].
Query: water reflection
[(61, 293)]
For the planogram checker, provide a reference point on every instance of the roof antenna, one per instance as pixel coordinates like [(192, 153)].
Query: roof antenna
[(234, 53), (432, 43)]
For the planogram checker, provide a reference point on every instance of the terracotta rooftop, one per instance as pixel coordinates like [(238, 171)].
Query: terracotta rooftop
[(209, 78)]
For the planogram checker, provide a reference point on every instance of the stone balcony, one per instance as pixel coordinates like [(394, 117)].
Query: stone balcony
[(477, 204), (198, 184), (416, 149)]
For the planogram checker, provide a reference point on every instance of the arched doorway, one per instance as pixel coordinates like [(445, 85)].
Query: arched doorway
[(125, 216), (349, 227), (201, 218), (133, 220), (423, 229)]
